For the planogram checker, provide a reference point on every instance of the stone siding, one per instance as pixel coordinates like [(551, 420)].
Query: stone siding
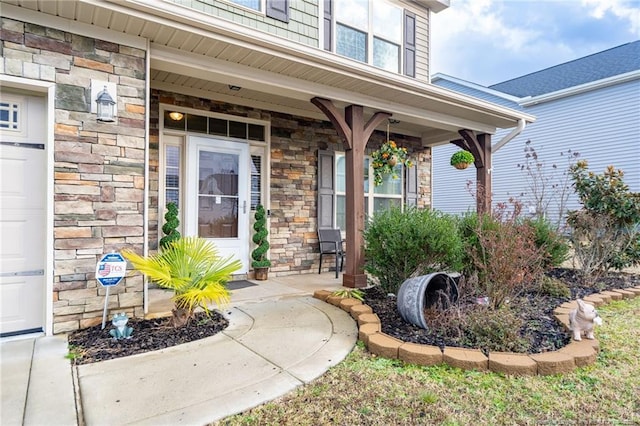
[(293, 193), (99, 167)]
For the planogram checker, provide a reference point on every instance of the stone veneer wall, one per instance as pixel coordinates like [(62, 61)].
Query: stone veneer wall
[(294, 145), (99, 167)]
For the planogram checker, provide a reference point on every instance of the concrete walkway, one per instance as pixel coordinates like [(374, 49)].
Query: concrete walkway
[(279, 337)]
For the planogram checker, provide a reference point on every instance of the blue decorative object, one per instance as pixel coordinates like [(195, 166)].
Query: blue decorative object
[(121, 331)]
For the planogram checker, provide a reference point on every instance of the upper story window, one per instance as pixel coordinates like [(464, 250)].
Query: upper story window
[(251, 4), (276, 9), (369, 32), (375, 32)]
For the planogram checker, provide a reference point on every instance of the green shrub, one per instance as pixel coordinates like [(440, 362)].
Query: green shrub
[(259, 254), (170, 227), (415, 242), (605, 232), (493, 330), (554, 247), (554, 287)]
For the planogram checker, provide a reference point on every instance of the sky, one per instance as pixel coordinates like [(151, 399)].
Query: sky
[(491, 41)]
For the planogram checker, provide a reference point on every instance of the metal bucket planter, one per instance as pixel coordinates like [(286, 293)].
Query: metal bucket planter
[(418, 293)]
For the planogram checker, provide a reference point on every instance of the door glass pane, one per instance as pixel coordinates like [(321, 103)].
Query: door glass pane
[(196, 123), (237, 129), (172, 174), (351, 43), (170, 123), (386, 55), (256, 181), (217, 126), (256, 132), (218, 194)]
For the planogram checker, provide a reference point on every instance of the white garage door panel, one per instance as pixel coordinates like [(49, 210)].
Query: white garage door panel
[(18, 294), (22, 177), (22, 246)]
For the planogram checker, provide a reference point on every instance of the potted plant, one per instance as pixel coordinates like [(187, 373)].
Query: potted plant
[(462, 159), (385, 160), (260, 261)]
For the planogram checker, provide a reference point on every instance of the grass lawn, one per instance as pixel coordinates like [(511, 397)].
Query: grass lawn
[(368, 390)]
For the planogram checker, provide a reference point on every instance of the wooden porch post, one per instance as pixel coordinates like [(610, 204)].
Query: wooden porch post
[(355, 133), (480, 147)]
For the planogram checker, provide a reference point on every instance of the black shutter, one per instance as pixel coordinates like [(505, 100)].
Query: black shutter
[(409, 44), (326, 189), (411, 186), (278, 9), (328, 13)]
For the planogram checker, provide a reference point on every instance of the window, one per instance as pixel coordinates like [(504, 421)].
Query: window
[(370, 31), (376, 198), (172, 174), (251, 4), (276, 9), (9, 116)]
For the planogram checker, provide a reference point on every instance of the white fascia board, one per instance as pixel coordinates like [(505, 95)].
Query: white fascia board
[(461, 82), (75, 27), (575, 90), (172, 60)]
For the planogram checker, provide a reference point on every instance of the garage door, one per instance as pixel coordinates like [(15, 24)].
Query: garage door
[(23, 168)]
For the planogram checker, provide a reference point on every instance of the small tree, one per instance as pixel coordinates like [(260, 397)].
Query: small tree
[(606, 231), (548, 187), (259, 254), (502, 252), (193, 269), (170, 227)]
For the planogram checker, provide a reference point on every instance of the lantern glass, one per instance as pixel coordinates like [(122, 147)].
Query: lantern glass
[(105, 105)]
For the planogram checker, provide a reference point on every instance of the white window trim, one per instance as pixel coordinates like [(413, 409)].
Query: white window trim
[(262, 11)]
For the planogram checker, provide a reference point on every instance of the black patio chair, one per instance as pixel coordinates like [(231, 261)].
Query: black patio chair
[(331, 243)]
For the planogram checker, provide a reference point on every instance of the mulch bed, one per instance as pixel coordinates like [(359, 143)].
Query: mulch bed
[(542, 332), (94, 344)]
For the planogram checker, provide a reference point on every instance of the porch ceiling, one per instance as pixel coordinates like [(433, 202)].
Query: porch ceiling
[(194, 53)]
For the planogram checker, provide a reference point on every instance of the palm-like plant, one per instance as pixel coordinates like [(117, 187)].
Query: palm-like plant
[(193, 269)]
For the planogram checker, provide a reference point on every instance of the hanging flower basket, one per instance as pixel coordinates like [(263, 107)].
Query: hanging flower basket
[(462, 159), (385, 160)]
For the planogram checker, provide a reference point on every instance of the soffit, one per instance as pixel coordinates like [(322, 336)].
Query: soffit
[(189, 52)]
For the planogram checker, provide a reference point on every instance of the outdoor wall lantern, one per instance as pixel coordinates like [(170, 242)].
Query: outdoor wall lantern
[(105, 106), (103, 93), (176, 116)]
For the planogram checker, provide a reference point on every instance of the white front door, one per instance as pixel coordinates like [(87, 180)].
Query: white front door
[(217, 195), (23, 166)]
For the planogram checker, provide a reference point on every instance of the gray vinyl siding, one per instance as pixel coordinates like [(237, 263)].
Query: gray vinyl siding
[(302, 26), (602, 125), (422, 47)]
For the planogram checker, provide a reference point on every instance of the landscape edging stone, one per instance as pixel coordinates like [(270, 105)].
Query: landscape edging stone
[(564, 360)]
